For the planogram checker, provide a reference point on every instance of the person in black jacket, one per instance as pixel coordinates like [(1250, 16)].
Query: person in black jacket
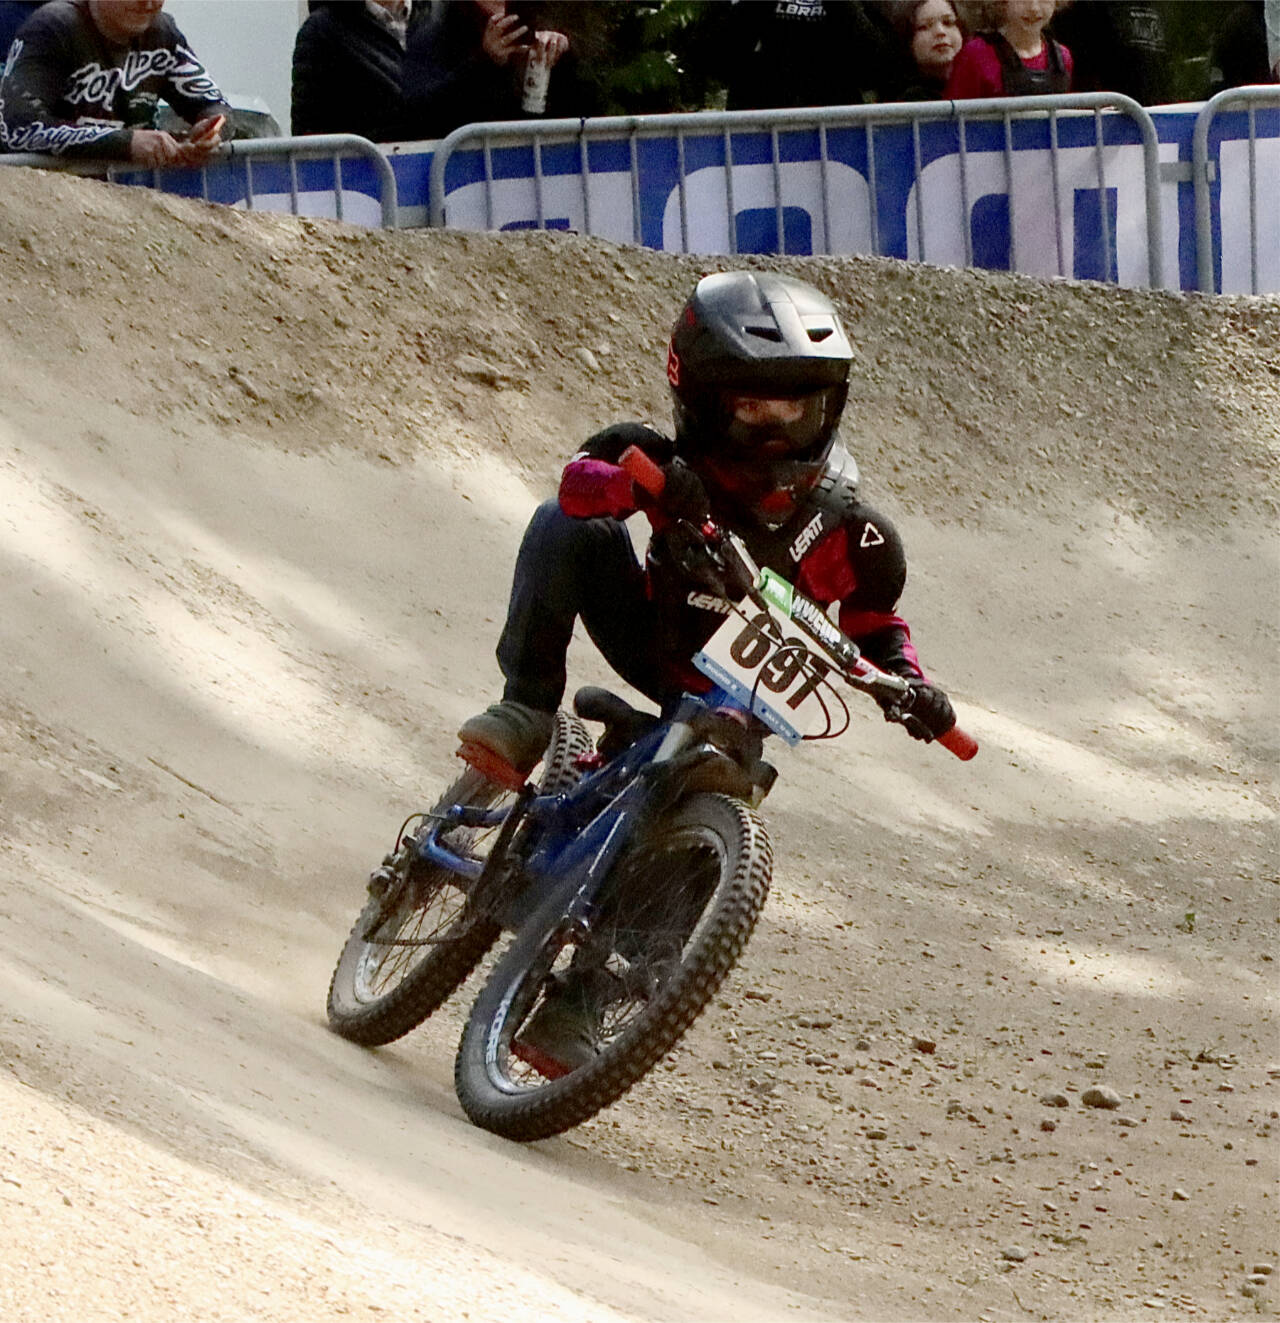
[(1240, 55), (807, 53), (467, 65), (85, 78), (346, 69), (1119, 46)]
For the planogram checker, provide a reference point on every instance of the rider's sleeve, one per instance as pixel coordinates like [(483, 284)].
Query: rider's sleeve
[(41, 61), (593, 485), (863, 566)]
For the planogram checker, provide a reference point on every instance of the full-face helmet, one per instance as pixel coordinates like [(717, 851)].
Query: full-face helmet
[(759, 372)]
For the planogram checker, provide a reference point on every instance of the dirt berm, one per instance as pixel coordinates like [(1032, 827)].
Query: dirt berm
[(263, 481)]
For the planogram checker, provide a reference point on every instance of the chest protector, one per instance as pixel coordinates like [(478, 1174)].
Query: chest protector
[(1021, 81), (826, 507), (688, 616)]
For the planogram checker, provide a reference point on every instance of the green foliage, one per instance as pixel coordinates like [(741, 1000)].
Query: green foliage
[(637, 58)]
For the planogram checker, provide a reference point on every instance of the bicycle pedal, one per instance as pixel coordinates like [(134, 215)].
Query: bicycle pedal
[(491, 766)]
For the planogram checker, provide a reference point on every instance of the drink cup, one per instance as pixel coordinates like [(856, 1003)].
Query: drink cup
[(537, 74)]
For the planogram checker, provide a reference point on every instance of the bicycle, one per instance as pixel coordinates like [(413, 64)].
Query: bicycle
[(631, 874)]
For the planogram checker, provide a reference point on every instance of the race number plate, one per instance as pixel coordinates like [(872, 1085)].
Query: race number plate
[(778, 681)]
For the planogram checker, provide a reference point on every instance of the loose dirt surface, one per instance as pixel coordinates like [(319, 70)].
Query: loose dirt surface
[(263, 481)]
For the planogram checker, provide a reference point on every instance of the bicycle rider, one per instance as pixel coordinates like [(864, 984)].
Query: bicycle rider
[(759, 367)]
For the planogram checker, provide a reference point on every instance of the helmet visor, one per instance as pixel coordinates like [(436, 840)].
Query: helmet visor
[(776, 426)]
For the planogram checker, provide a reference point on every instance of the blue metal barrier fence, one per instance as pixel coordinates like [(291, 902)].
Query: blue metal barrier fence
[(278, 170), (1226, 165), (931, 181)]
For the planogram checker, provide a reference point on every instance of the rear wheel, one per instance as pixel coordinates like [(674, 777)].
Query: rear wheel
[(673, 919), (417, 941)]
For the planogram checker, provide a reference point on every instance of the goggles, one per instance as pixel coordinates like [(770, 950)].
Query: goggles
[(775, 426)]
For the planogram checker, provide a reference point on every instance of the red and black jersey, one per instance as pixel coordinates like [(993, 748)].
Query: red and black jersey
[(834, 549), (67, 90)]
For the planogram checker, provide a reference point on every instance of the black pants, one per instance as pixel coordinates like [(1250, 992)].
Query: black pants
[(569, 569)]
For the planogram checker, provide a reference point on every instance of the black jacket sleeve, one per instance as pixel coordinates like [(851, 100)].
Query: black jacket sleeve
[(448, 80), (43, 58)]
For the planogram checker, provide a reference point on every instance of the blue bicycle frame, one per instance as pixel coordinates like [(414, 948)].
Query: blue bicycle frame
[(573, 838)]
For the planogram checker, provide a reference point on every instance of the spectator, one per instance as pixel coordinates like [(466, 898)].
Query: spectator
[(347, 64), (13, 14), (930, 31), (1240, 57), (1016, 59), (86, 77), (468, 63), (1119, 46), (808, 53)]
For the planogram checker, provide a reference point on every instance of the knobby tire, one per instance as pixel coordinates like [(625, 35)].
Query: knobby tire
[(491, 1087), (427, 975)]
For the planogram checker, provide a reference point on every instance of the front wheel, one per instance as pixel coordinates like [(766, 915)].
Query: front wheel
[(671, 921)]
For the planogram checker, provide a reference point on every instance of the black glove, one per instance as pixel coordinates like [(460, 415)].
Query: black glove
[(925, 711), (683, 495)]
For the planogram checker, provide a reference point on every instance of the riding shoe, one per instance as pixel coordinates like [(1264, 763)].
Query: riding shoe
[(562, 1034), (517, 733)]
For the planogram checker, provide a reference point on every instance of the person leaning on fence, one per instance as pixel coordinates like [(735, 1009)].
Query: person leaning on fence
[(85, 78), (468, 63), (1243, 53), (931, 37), (348, 59), (1013, 58)]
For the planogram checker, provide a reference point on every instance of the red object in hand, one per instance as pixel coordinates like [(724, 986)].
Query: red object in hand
[(643, 471), (211, 130)]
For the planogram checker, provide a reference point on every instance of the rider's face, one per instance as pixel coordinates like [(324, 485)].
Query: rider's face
[(763, 412)]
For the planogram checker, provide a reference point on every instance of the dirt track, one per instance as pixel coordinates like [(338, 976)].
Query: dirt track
[(263, 482)]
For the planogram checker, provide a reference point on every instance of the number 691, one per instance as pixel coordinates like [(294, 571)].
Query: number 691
[(780, 663)]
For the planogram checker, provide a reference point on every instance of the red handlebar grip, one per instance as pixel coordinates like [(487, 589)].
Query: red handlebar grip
[(962, 744), (643, 470)]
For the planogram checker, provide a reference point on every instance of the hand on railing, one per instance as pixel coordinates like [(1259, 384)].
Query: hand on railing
[(155, 148)]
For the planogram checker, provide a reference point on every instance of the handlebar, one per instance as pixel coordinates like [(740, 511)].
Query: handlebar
[(860, 672)]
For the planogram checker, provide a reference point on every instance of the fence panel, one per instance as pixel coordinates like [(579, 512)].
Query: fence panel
[(1236, 164), (1041, 185), (338, 175)]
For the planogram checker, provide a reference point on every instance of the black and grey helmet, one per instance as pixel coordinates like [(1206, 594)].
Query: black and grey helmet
[(744, 340)]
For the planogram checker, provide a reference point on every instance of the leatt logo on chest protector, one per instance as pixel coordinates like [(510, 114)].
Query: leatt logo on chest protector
[(808, 536), (709, 602)]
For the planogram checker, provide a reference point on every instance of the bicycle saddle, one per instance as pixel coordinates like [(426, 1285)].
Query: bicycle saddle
[(623, 724)]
